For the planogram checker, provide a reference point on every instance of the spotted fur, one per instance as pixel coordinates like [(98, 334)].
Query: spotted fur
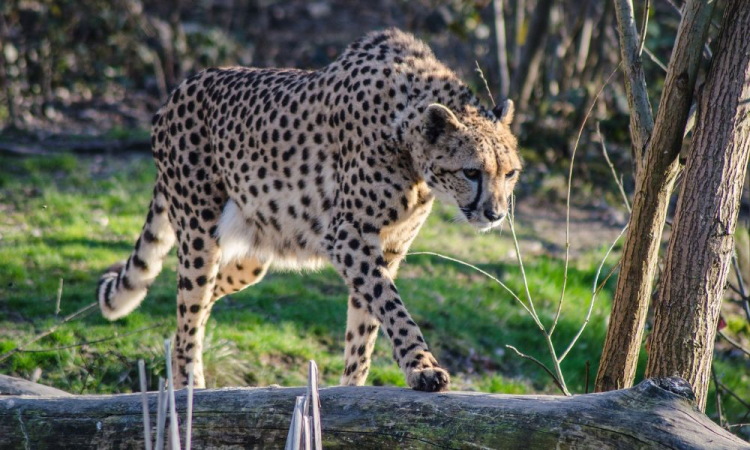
[(297, 168)]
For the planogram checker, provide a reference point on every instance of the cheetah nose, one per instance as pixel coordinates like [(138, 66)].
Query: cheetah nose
[(493, 216)]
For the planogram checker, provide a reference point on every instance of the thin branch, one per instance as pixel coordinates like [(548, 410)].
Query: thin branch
[(567, 203), (594, 291), (735, 396), (540, 364), (618, 180), (96, 341), (644, 26), (734, 343), (533, 313), (54, 328), (59, 298), (722, 422), (547, 336), (655, 59), (488, 275), (588, 368), (609, 275), (486, 85), (741, 285)]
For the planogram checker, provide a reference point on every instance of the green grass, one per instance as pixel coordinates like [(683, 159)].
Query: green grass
[(70, 217)]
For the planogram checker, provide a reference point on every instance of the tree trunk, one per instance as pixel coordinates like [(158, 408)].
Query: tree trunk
[(700, 248), (657, 414), (654, 183), (502, 50), (527, 70), (6, 84)]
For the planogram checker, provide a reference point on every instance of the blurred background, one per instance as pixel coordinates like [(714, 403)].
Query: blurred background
[(80, 80)]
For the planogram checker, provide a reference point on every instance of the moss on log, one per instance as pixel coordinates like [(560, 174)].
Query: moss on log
[(657, 413)]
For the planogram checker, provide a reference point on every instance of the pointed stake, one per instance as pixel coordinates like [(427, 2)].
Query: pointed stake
[(174, 437), (144, 402), (189, 427), (160, 402), (314, 401)]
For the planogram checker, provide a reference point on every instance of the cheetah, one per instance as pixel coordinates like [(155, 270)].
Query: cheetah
[(293, 168)]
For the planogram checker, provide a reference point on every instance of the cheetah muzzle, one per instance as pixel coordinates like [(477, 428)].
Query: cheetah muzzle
[(299, 168)]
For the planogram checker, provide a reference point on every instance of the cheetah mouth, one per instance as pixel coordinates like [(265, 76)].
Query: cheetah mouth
[(480, 223), (487, 226)]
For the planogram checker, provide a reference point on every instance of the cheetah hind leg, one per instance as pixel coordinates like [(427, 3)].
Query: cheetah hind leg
[(361, 333), (231, 278), (237, 275)]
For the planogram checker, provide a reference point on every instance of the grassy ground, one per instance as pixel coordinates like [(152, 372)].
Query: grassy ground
[(70, 217)]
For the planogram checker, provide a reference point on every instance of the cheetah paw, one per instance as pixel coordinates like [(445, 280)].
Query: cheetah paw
[(430, 379)]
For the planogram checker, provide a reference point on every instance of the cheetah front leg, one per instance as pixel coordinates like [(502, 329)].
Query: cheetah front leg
[(374, 297)]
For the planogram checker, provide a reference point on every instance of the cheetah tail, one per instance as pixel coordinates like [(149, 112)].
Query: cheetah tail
[(123, 286)]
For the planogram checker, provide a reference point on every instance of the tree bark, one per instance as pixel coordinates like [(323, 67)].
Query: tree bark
[(641, 116), (654, 182), (700, 248), (655, 414)]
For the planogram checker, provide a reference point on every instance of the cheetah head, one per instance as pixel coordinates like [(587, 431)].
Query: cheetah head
[(471, 161)]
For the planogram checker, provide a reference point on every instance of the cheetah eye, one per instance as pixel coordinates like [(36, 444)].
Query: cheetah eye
[(472, 174), (511, 174)]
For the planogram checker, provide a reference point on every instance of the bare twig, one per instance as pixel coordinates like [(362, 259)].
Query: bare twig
[(655, 59), (488, 275), (59, 298), (734, 343), (609, 275), (618, 180), (95, 341), (719, 411), (547, 336), (486, 85), (740, 283), (644, 25), (534, 315), (540, 364), (594, 291), (144, 403), (567, 202), (588, 368), (735, 396), (54, 328)]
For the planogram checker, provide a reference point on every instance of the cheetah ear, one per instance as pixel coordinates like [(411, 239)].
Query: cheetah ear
[(439, 120), (504, 111)]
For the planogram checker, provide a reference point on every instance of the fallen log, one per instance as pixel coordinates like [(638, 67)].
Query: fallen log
[(657, 413), (19, 386)]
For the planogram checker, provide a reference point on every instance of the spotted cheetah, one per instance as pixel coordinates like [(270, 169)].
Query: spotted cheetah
[(297, 168)]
